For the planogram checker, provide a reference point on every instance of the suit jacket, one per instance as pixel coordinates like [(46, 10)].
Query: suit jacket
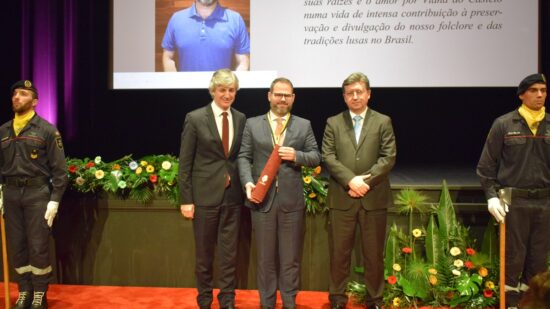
[(345, 158), (202, 162), (256, 148)]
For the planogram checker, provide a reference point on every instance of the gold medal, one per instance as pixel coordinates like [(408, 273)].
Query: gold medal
[(34, 154)]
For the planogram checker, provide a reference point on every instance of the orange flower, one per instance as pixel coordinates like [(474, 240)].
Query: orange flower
[(116, 167), (488, 293), (407, 250), (483, 272), (469, 264), (433, 280), (392, 280), (470, 251), (317, 171)]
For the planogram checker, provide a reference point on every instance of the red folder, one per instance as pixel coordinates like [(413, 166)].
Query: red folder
[(268, 175)]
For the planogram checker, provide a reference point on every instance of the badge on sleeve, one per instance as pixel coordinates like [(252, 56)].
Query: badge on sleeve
[(58, 141), (34, 154)]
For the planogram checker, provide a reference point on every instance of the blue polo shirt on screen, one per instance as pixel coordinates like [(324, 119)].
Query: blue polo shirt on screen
[(206, 44)]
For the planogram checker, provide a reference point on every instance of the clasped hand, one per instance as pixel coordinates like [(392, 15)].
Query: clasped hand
[(358, 187), (287, 153)]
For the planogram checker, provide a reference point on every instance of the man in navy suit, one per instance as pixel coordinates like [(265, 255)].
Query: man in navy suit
[(211, 193), (278, 220)]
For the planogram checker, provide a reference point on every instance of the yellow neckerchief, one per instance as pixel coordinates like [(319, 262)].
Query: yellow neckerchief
[(276, 139), (532, 117), (19, 122)]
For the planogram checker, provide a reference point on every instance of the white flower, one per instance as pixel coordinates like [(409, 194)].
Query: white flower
[(122, 184), (97, 160), (116, 174), (458, 263), (133, 165), (80, 181), (396, 267), (456, 272), (455, 251), (166, 165)]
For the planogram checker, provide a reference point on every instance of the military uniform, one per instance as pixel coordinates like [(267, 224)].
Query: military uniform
[(33, 171), (513, 157)]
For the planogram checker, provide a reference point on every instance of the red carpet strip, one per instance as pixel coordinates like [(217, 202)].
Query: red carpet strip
[(115, 297)]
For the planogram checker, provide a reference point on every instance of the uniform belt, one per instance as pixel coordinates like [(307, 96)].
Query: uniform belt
[(531, 193), (26, 181)]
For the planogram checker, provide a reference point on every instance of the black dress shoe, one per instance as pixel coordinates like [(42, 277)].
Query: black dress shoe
[(23, 301)]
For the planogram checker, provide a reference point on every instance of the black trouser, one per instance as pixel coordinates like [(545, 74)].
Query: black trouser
[(28, 235), (527, 241), (216, 225)]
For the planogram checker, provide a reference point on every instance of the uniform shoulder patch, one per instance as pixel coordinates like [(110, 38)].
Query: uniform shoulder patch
[(58, 141)]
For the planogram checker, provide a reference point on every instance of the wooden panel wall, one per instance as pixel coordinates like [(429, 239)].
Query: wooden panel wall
[(165, 8)]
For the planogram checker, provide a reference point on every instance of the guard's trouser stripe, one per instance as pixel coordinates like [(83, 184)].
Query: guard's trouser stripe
[(34, 270)]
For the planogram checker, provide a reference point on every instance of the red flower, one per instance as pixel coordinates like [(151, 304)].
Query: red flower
[(90, 164), (469, 264), (153, 178), (72, 169), (392, 280), (488, 293), (407, 250), (470, 251)]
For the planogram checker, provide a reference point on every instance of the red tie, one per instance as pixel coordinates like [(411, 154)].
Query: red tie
[(225, 142), (225, 134)]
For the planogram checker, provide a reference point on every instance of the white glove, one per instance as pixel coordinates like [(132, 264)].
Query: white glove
[(497, 208), (51, 211)]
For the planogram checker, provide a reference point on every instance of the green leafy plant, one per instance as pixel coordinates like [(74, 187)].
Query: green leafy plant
[(139, 180), (157, 175), (315, 190), (436, 265)]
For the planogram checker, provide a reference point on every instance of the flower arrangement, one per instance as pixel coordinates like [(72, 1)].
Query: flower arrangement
[(315, 190), (436, 265), (158, 174), (126, 178)]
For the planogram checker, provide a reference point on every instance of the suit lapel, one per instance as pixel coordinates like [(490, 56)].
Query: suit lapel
[(266, 128), (348, 123), (236, 129), (211, 124), (367, 123)]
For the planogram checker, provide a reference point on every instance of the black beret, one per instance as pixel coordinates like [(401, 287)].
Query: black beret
[(530, 80), (24, 84)]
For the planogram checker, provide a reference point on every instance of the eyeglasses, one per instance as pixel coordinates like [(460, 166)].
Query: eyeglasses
[(354, 92), (283, 95)]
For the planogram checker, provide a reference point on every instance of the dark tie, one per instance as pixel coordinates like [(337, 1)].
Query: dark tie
[(225, 142), (225, 134)]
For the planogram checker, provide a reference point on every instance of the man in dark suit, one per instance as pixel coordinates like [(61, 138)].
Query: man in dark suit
[(359, 152), (278, 221), (211, 193)]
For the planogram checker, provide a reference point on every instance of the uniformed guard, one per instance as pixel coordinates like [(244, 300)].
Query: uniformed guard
[(32, 169), (516, 158)]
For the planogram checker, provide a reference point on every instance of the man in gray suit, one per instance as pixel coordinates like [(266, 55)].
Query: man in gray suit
[(278, 221), (359, 152), (211, 193)]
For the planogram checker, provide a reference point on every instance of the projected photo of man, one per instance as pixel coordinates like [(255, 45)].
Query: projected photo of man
[(206, 37)]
